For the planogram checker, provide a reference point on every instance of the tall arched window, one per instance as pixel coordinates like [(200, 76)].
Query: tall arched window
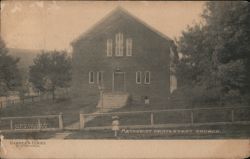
[(129, 47), (119, 44), (109, 47)]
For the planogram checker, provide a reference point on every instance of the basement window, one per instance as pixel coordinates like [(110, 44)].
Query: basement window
[(91, 77)]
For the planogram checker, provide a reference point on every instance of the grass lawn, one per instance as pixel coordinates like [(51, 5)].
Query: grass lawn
[(69, 109), (194, 132), (173, 117), (71, 112), (30, 135), (197, 132)]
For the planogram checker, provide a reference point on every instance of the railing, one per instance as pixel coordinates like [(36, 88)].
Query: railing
[(32, 123), (169, 117)]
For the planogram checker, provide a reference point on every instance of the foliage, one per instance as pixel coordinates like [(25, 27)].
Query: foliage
[(51, 70), (216, 52), (10, 78)]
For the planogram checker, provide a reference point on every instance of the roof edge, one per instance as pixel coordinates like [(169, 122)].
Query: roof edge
[(127, 12)]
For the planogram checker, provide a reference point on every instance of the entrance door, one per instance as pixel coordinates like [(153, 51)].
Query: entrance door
[(119, 81)]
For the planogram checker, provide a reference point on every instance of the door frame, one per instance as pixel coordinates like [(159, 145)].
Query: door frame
[(113, 80)]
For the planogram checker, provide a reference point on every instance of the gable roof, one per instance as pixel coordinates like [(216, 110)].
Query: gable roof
[(119, 11)]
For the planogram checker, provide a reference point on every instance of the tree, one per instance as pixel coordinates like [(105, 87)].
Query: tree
[(216, 51), (51, 70), (230, 24), (10, 78)]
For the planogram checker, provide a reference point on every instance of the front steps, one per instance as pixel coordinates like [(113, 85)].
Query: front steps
[(111, 100)]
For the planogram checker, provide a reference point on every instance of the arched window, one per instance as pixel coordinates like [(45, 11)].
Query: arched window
[(129, 47), (109, 47), (119, 44)]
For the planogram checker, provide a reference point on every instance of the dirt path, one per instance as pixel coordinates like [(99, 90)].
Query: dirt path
[(61, 135), (75, 126)]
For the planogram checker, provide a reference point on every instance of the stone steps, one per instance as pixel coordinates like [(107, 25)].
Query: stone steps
[(113, 100)]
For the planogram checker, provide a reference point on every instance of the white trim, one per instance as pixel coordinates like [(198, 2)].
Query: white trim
[(97, 77), (119, 44), (149, 77), (136, 77), (129, 46), (109, 49), (113, 81), (91, 82)]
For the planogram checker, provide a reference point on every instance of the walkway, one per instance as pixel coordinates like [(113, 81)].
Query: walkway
[(75, 126)]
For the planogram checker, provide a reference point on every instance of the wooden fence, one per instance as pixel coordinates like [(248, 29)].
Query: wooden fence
[(134, 119), (32, 123), (29, 100), (168, 118)]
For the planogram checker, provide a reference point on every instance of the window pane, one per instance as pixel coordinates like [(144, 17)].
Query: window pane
[(121, 44), (109, 47), (129, 47), (117, 44), (99, 77), (138, 77), (147, 77), (91, 77)]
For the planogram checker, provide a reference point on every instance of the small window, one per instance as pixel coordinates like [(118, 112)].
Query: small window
[(147, 77), (99, 77), (138, 77), (129, 47), (91, 77), (119, 44), (109, 47)]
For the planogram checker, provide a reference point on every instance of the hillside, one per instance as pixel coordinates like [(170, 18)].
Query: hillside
[(26, 57)]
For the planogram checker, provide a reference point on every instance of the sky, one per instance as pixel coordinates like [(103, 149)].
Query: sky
[(51, 25)]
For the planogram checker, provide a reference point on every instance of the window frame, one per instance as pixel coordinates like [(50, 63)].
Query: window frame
[(91, 73), (119, 44), (129, 46), (136, 77), (99, 81), (109, 49), (149, 77)]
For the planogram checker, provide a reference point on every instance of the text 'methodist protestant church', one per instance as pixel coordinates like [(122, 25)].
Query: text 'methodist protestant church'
[(125, 59)]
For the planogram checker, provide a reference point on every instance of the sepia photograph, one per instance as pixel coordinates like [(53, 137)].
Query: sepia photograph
[(124, 70)]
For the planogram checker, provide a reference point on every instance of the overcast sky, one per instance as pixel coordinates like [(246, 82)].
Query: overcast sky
[(54, 24)]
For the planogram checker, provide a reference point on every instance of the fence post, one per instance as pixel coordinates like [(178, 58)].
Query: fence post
[(152, 118), (61, 121), (232, 113), (39, 123), (11, 124), (82, 122), (1, 106), (192, 117)]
